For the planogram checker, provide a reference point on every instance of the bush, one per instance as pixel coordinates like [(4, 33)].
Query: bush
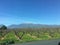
[(11, 42)]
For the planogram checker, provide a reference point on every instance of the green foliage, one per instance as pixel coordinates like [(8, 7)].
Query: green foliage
[(10, 36), (3, 27)]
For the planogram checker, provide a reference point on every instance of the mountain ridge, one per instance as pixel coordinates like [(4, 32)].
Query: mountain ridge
[(31, 25)]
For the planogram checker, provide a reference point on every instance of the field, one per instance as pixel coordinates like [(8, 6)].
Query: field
[(16, 36)]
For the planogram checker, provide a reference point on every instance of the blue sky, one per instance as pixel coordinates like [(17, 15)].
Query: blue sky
[(29, 11)]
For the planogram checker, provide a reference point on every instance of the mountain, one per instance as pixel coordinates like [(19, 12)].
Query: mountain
[(29, 25)]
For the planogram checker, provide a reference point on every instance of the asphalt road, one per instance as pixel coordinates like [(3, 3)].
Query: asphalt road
[(46, 42)]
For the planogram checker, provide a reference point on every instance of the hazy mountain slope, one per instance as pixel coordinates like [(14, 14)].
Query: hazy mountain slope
[(25, 25)]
